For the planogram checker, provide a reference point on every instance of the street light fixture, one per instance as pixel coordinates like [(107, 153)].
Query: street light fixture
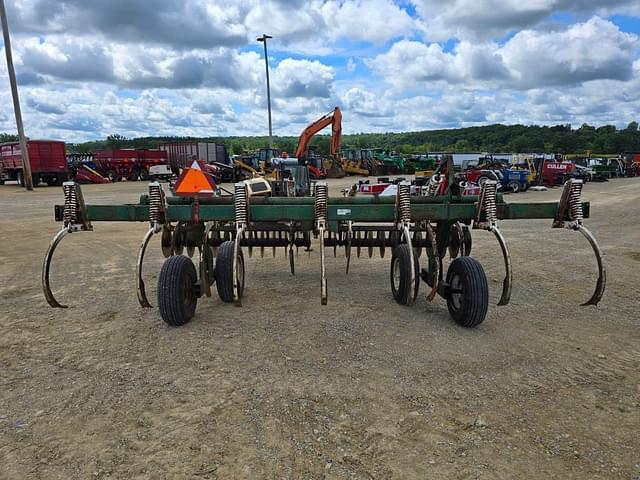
[(264, 39)]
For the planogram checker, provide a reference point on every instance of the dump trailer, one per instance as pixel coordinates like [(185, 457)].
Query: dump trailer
[(127, 163), (179, 154), (47, 159), (225, 228)]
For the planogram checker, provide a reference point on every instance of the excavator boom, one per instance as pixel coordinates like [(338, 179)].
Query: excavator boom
[(335, 120)]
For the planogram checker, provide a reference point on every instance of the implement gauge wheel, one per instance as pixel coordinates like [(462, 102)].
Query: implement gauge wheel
[(177, 297), (401, 274), (224, 271), (468, 298)]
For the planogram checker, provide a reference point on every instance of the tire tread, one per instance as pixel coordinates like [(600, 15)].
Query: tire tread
[(224, 271), (170, 281), (474, 283)]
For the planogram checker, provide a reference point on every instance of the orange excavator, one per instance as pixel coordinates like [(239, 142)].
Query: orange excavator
[(334, 119)]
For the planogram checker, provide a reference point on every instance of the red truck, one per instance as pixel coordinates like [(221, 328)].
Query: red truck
[(127, 163), (557, 172), (47, 158)]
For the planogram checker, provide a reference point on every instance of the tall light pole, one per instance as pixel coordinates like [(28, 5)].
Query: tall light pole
[(264, 39), (26, 166)]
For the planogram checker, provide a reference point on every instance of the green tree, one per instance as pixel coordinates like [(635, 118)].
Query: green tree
[(462, 146), (116, 141), (8, 137)]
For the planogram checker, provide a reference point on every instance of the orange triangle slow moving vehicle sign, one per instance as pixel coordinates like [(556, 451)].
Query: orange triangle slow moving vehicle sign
[(193, 181)]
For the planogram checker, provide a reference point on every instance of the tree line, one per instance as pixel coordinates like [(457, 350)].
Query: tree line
[(492, 138)]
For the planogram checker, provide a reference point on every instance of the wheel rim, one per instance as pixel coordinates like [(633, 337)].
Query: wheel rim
[(395, 268), (456, 296)]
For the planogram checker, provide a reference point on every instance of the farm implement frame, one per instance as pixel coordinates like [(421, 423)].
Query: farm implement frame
[(221, 228)]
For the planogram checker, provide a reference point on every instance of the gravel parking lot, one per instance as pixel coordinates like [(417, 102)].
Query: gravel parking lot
[(286, 388)]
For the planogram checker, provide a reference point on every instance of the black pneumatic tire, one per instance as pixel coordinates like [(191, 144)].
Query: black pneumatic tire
[(469, 306), (224, 271), (177, 296), (401, 272)]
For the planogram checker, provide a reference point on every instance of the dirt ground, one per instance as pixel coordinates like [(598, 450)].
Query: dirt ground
[(284, 388)]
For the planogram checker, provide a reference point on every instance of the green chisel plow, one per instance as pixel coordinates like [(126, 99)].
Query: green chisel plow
[(222, 228)]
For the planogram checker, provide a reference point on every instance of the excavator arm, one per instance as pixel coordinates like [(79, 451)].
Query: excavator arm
[(335, 120)]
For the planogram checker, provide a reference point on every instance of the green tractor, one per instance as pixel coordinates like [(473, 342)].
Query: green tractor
[(392, 163), (421, 165)]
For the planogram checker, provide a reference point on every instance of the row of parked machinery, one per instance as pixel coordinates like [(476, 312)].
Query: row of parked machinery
[(527, 171), (514, 173)]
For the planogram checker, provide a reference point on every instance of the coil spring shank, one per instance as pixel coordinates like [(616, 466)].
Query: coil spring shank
[(155, 205), (490, 202), (70, 205), (241, 205), (575, 203), (404, 203), (320, 207), (434, 186), (322, 195)]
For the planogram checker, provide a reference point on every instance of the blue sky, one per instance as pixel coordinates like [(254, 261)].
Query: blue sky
[(193, 67)]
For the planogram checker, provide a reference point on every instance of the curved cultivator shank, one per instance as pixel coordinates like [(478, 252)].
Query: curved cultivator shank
[(74, 219), (157, 219), (46, 267), (140, 288), (602, 274), (571, 205), (220, 227), (487, 204)]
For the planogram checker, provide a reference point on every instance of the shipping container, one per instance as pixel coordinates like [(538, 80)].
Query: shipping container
[(47, 159)]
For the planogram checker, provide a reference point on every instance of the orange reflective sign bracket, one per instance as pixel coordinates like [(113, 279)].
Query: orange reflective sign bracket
[(193, 181)]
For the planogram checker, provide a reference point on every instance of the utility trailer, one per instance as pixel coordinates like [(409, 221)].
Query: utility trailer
[(46, 157), (222, 228), (180, 154)]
